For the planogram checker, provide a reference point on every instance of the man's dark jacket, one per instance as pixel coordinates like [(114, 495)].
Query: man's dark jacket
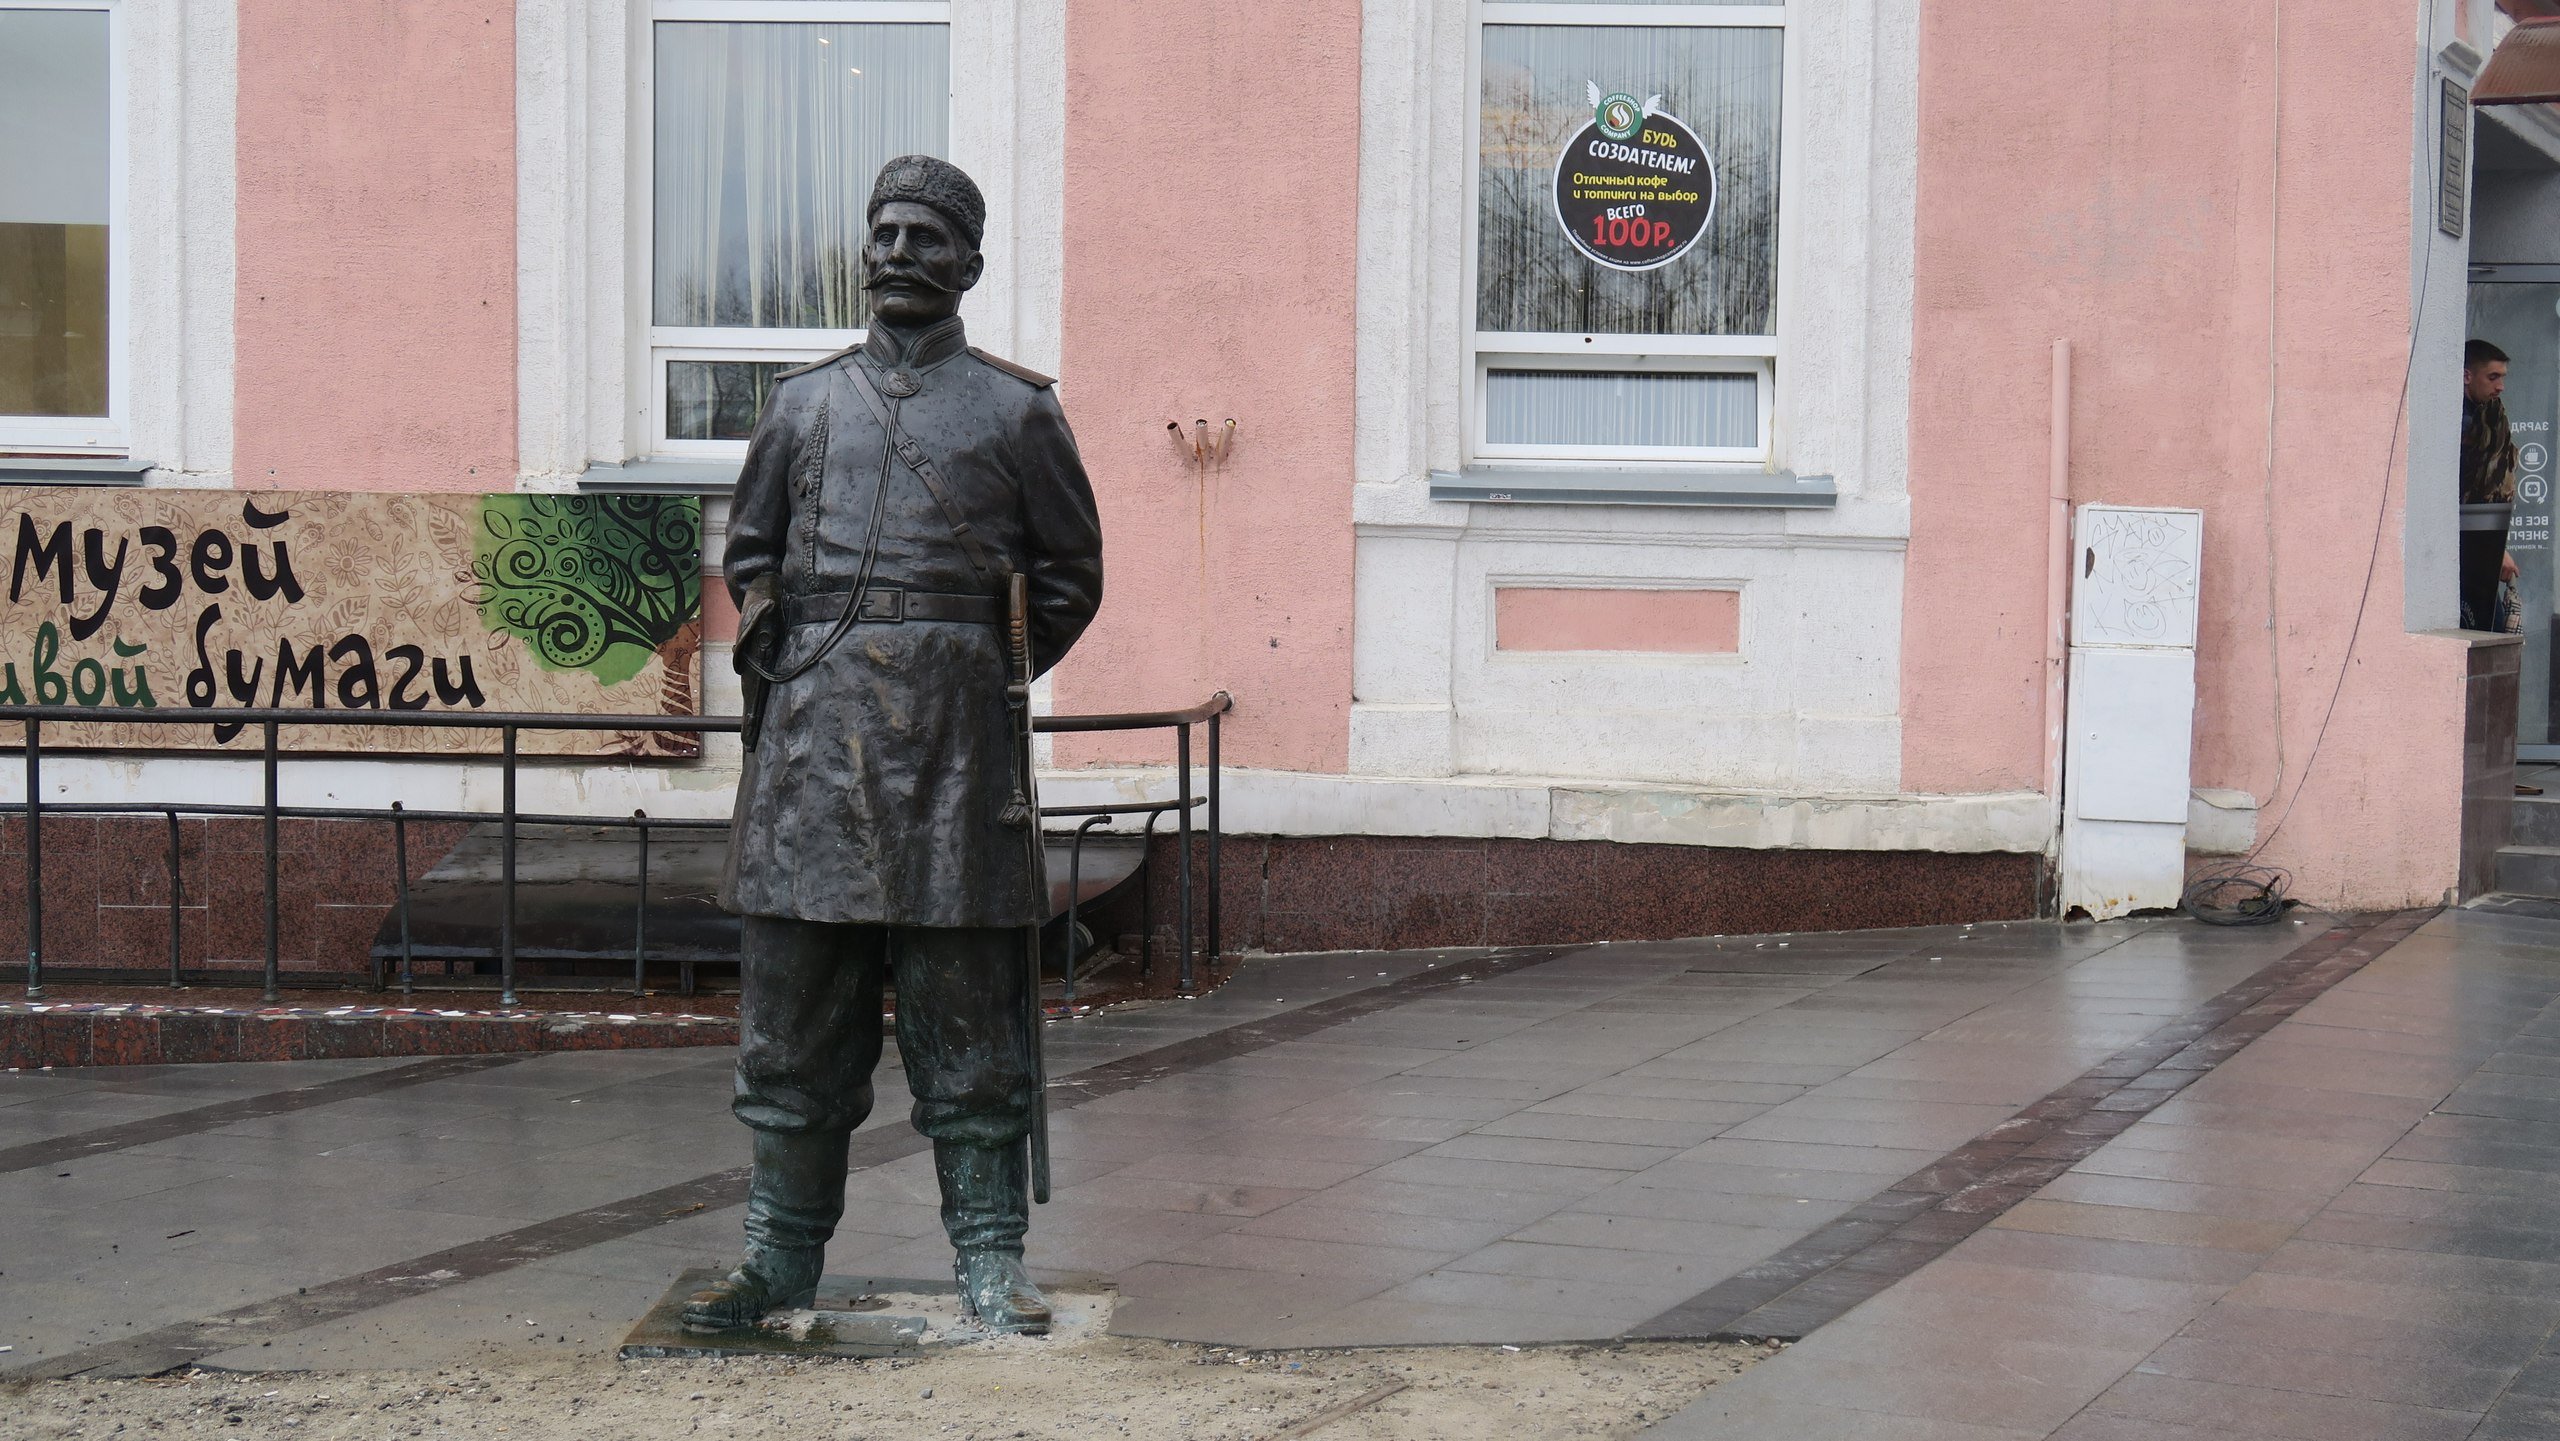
[(877, 787), (2488, 453)]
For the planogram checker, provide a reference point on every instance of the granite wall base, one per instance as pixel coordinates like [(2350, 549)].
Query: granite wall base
[(1340, 893), (106, 890), (2488, 759)]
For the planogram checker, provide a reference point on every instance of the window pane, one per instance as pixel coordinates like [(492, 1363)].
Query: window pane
[(53, 212), (1618, 409), (768, 137), (1538, 79), (718, 399)]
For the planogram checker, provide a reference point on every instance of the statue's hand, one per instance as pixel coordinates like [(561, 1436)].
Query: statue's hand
[(756, 616)]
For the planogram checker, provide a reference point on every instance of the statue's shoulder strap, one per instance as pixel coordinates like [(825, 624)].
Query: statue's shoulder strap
[(819, 364), (1023, 373)]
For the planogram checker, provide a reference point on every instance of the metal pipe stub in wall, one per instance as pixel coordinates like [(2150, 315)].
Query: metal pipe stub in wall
[(1203, 445)]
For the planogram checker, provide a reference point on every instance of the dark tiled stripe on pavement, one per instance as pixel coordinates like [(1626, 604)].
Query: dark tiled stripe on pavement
[(196, 1119), (168, 1348), (1921, 1217), (93, 1034)]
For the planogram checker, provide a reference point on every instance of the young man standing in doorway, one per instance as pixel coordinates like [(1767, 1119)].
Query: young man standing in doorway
[(2488, 491), (2488, 485)]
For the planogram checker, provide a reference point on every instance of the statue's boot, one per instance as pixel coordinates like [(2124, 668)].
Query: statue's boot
[(998, 1290), (793, 1202), (986, 1206)]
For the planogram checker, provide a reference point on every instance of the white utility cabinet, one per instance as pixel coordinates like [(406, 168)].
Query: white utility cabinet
[(2130, 718)]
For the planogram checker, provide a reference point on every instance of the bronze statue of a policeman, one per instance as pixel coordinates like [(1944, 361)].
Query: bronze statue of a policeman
[(891, 495)]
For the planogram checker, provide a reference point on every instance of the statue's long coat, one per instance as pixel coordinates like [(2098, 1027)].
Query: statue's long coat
[(877, 787)]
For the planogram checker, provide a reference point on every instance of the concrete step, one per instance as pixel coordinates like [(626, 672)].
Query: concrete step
[(2537, 821), (2529, 870), (578, 887)]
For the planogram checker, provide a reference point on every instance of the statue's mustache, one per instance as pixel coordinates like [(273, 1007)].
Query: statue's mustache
[(884, 274)]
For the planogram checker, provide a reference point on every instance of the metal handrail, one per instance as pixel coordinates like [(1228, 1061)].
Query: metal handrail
[(510, 725), (1216, 705), (416, 719)]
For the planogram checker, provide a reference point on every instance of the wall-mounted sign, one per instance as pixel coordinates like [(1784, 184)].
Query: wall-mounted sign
[(2453, 178), (211, 599), (1635, 187)]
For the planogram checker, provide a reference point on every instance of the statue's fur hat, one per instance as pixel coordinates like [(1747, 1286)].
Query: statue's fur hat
[(932, 181)]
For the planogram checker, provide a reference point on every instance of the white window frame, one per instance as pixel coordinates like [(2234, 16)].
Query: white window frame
[(1488, 350), (666, 343), (112, 434)]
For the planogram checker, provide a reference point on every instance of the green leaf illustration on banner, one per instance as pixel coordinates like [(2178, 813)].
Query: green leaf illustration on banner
[(598, 583)]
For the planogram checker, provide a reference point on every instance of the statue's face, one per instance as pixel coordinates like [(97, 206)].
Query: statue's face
[(916, 266)]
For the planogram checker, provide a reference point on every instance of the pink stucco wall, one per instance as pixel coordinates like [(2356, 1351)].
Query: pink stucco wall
[(1212, 170), (2111, 180), (377, 280), (1656, 622)]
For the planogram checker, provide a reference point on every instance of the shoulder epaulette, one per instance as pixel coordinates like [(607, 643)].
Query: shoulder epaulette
[(1023, 373), (820, 363)]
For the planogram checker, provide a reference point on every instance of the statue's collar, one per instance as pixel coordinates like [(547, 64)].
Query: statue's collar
[(916, 349)]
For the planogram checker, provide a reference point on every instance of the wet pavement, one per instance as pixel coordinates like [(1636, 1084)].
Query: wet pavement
[(2144, 1179), (2349, 1229)]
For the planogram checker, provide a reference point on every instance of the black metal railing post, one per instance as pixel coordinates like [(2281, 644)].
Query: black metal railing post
[(1184, 795), (274, 911), (1147, 898), (35, 860), (507, 868), (177, 907), (640, 913), (400, 901), (1217, 935), (1075, 895)]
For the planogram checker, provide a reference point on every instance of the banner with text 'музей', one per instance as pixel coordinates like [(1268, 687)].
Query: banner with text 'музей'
[(205, 600)]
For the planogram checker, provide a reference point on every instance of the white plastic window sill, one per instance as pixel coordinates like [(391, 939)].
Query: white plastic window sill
[(662, 475), (58, 470), (1706, 486)]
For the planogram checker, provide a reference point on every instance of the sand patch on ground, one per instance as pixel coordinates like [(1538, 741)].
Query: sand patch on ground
[(1016, 1387)]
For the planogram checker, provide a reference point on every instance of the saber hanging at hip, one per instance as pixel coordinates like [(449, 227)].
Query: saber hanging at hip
[(1025, 811)]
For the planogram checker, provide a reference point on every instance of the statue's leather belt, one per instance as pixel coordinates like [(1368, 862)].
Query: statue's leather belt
[(891, 605)]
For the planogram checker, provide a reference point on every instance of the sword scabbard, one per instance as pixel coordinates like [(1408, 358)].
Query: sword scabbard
[(1018, 700)]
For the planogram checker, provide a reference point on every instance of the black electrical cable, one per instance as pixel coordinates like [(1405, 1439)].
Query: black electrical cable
[(2239, 894)]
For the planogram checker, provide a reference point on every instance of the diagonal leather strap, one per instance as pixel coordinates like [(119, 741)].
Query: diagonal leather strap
[(916, 460)]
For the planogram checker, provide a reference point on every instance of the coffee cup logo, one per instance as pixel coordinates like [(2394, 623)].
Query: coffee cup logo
[(1618, 113)]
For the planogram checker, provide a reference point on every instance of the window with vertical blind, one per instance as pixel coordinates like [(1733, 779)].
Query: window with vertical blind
[(61, 187), (768, 121), (1625, 247)]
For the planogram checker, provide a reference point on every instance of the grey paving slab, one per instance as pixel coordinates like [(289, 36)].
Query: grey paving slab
[(1636, 1198), (1320, 1218), (1245, 1169), (1373, 1192), (1568, 1295), (2243, 1202), (2492, 1342)]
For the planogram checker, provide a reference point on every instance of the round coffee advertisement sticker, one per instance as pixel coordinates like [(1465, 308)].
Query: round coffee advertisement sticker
[(1635, 187)]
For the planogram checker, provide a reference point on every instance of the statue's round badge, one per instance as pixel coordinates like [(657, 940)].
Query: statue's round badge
[(899, 383)]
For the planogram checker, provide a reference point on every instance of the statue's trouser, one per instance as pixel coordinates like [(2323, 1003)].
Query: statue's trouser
[(809, 1038)]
